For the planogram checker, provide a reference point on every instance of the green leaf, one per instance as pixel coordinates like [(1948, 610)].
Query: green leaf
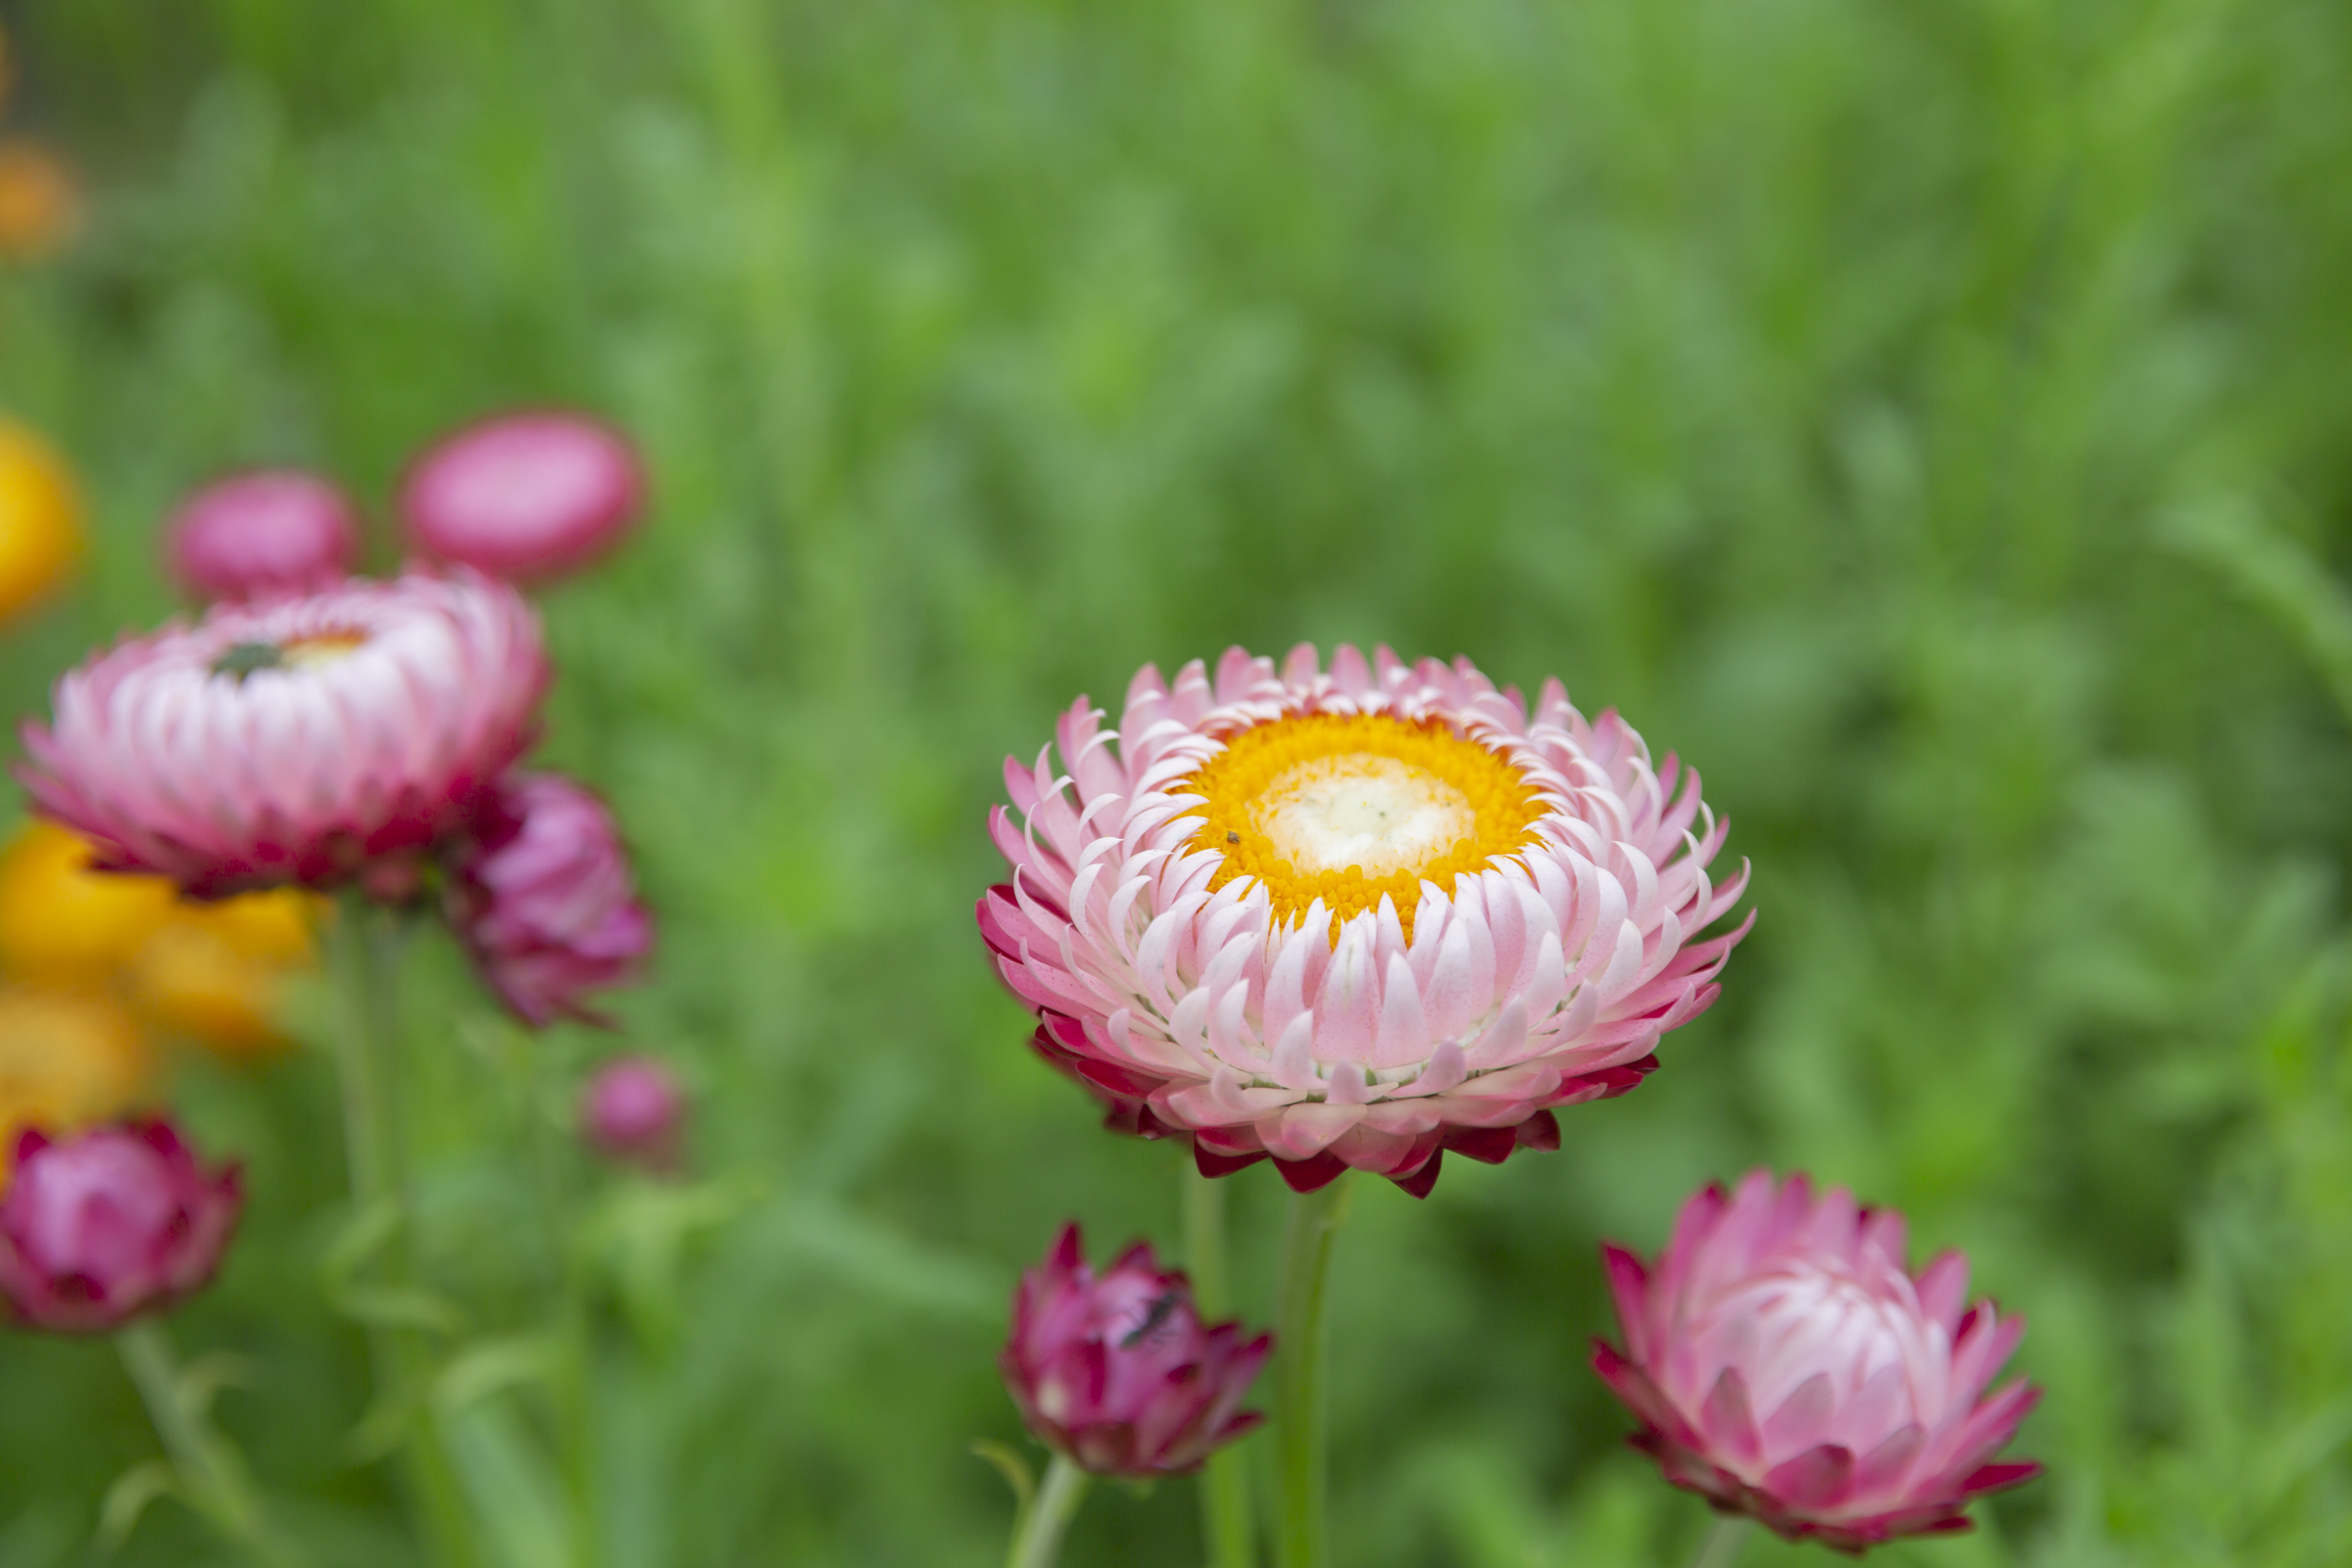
[(390, 1307), (492, 1366), (129, 1498), (1013, 1468)]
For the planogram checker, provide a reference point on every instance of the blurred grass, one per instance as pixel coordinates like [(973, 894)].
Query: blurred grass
[(1929, 420)]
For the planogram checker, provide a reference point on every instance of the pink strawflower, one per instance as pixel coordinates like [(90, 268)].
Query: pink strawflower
[(1117, 1373), (343, 736), (546, 903), (1784, 1364), (109, 1224), (632, 1111), (1354, 916), (268, 532), (525, 496)]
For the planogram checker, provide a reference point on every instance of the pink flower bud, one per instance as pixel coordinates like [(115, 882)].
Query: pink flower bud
[(546, 903), (1785, 1363), (633, 1111), (109, 1224), (1117, 1373), (272, 531), (527, 497)]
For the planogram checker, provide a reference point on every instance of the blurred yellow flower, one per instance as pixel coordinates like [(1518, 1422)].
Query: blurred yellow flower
[(38, 204), (210, 971), (40, 519), (66, 1059)]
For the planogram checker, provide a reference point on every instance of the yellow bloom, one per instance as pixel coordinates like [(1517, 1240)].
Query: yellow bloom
[(40, 519), (61, 923), (38, 204), (66, 1059)]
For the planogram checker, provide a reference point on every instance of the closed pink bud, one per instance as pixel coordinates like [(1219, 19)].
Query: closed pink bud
[(1117, 1371), (1785, 1363), (632, 1111), (546, 903), (272, 531), (109, 1224), (527, 497)]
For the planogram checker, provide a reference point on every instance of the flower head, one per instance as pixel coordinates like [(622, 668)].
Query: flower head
[(1117, 1371), (633, 1111), (100, 1227), (40, 519), (1354, 916), (546, 903), (344, 736), (38, 204), (1786, 1365), (525, 496), (254, 535)]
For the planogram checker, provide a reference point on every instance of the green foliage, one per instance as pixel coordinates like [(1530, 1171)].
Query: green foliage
[(1927, 418)]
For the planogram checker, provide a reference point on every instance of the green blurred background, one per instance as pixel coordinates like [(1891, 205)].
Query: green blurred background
[(1930, 418)]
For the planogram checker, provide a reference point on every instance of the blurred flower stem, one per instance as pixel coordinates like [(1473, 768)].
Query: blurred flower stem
[(1037, 1538), (1722, 1546), (210, 1471), (1226, 1525), (363, 945), (1301, 1410)]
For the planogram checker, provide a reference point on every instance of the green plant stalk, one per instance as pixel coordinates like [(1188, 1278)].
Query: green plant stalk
[(1722, 1546), (206, 1462), (365, 951), (1037, 1535), (1302, 1413), (1226, 1524)]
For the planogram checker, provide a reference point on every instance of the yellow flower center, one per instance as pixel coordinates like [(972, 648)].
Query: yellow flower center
[(322, 648), (1346, 808)]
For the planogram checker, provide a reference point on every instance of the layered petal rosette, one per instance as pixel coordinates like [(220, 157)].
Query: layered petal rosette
[(105, 1225), (1355, 915), (343, 736), (546, 903), (1785, 1363), (1117, 1371)]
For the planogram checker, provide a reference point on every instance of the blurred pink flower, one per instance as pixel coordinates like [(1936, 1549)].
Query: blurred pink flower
[(109, 1224), (1354, 916), (633, 1111), (343, 736), (1117, 1372), (546, 903), (1784, 1364), (272, 531), (525, 496)]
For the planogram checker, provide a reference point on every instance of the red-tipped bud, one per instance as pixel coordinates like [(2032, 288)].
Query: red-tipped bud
[(546, 903), (527, 497), (633, 1111), (252, 535), (109, 1224), (1117, 1372)]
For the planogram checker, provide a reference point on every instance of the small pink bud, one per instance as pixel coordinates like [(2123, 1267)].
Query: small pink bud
[(1117, 1372), (545, 900), (109, 1224), (527, 497), (632, 1111), (270, 531)]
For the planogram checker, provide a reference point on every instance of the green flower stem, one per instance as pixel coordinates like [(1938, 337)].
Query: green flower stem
[(1225, 1514), (1721, 1549), (1037, 1536), (365, 952), (209, 1467), (1301, 1343)]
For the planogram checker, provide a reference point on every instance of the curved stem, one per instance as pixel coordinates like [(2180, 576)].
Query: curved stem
[(206, 1463), (1302, 1416), (1226, 1524), (365, 951), (1721, 1549), (1037, 1538)]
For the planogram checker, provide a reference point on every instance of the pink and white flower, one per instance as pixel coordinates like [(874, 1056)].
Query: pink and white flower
[(1786, 1365), (545, 900), (1356, 915), (1117, 1371), (339, 737), (110, 1223)]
